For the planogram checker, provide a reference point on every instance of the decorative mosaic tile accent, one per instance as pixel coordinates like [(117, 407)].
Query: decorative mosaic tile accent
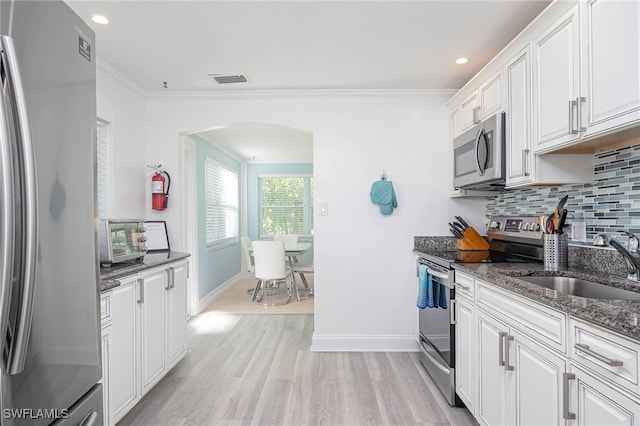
[(608, 205)]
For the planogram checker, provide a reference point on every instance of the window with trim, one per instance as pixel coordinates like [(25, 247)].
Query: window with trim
[(285, 204), (221, 198)]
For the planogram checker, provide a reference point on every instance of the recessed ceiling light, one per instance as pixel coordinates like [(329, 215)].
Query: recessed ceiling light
[(99, 19), (462, 61)]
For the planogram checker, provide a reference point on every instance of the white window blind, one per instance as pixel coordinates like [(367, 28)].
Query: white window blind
[(103, 154), (286, 204), (221, 186)]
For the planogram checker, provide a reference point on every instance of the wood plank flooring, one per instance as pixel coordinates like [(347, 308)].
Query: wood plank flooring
[(258, 370)]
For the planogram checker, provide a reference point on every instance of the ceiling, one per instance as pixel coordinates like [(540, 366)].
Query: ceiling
[(263, 143), (300, 45), (303, 44)]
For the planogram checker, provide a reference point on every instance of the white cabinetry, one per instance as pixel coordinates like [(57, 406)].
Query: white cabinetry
[(529, 371), (176, 313), (148, 334), (105, 320), (518, 134), (124, 389), (519, 378), (523, 167), (556, 81), (465, 341), (586, 74), (152, 327), (610, 59), (483, 102)]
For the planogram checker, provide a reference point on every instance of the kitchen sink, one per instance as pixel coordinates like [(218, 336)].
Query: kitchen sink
[(582, 288)]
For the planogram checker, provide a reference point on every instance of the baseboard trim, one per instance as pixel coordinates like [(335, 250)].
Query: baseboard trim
[(364, 344), (217, 292)]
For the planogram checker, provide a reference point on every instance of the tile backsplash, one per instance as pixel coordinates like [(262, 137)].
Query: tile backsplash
[(608, 205)]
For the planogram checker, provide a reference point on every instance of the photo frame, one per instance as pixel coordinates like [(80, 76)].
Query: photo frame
[(157, 236)]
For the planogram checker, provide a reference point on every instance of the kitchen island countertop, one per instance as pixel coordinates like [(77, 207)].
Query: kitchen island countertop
[(151, 260), (617, 315)]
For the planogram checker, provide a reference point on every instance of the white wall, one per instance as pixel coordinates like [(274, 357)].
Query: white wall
[(365, 272), (122, 104)]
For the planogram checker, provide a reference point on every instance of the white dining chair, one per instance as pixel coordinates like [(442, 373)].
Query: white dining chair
[(271, 270), (246, 246), (301, 269)]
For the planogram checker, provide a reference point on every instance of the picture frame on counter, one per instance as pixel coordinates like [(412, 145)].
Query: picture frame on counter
[(157, 236)]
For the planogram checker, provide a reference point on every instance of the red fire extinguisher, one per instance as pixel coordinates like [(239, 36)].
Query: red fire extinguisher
[(160, 189)]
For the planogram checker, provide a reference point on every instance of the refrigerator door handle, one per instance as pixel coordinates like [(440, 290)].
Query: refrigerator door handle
[(7, 222), (15, 359)]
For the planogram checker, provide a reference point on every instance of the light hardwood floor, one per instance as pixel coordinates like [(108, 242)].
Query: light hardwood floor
[(258, 370)]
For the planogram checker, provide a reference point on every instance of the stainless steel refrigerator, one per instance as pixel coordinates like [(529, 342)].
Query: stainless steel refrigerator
[(49, 322)]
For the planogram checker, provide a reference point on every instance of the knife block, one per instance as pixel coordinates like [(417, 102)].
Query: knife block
[(472, 241)]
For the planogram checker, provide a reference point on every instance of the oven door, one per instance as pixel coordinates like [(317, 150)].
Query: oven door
[(478, 155), (437, 334)]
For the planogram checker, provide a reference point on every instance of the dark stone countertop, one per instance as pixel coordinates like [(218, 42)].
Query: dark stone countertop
[(109, 276), (617, 315)]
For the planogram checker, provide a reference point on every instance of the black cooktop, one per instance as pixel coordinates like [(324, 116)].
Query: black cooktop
[(479, 256)]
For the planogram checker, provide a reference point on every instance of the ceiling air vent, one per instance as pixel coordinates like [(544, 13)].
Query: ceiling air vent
[(227, 79)]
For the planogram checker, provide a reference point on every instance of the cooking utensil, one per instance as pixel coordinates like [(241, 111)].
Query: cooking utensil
[(459, 233), (456, 233), (563, 218), (562, 202), (462, 222), (458, 226)]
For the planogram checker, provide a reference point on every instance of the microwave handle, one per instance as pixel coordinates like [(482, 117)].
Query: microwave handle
[(480, 169)]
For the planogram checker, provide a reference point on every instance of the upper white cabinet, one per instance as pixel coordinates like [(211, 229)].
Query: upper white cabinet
[(586, 68), (610, 59), (518, 109), (480, 104), (523, 166), (556, 81)]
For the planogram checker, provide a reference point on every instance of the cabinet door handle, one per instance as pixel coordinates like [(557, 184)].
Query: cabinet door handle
[(566, 414), (172, 271), (572, 131), (452, 312), (506, 354), (608, 361), (464, 287), (501, 338), (141, 281), (476, 115), (525, 155), (579, 101)]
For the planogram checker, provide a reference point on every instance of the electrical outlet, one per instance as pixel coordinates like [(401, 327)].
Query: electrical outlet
[(579, 231)]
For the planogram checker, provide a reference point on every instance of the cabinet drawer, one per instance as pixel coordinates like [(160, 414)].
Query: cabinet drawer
[(609, 354), (464, 284), (533, 319), (105, 308)]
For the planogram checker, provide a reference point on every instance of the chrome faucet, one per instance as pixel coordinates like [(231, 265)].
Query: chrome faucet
[(631, 259), (632, 244)]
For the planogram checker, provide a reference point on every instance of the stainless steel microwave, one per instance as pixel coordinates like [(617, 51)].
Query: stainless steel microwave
[(479, 155), (121, 240)]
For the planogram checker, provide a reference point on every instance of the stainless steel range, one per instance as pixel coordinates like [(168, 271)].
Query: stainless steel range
[(512, 239)]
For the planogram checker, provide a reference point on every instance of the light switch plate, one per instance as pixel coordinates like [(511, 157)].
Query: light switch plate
[(323, 208)]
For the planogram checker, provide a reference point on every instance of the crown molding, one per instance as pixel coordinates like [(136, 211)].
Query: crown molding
[(117, 75), (272, 94)]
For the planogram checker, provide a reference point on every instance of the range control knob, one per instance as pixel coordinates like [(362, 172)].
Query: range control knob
[(494, 225), (526, 226), (535, 227)]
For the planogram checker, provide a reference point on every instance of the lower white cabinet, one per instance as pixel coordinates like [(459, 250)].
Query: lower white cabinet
[(515, 370), (595, 403), (465, 351), (147, 336)]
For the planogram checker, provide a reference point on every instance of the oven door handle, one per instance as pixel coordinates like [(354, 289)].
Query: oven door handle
[(438, 274)]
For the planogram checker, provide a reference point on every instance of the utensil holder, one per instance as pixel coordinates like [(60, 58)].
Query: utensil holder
[(556, 251)]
